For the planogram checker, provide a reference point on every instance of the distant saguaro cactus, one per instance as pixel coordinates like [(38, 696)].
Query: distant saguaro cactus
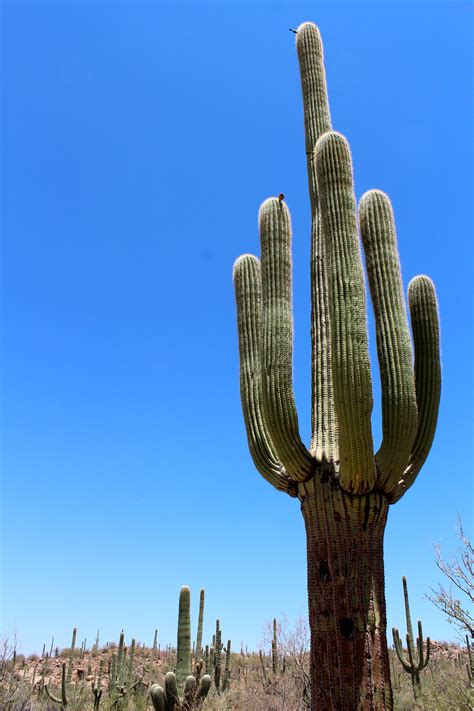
[(198, 646), (71, 656), (417, 660), (344, 489), (194, 688), (183, 654)]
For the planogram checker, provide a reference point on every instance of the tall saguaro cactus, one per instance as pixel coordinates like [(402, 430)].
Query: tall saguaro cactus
[(344, 488)]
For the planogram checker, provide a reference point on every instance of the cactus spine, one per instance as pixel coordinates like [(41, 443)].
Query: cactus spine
[(413, 665), (344, 488)]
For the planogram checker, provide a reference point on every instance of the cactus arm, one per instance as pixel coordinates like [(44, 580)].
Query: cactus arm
[(317, 121), (425, 327), (399, 650), (51, 696), (399, 407), (419, 643), (277, 343), (63, 700), (183, 653), (248, 294), (349, 341)]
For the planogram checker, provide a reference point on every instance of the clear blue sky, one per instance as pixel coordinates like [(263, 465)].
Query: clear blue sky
[(138, 141)]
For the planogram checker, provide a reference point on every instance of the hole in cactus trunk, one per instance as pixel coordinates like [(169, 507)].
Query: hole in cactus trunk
[(346, 626), (324, 573)]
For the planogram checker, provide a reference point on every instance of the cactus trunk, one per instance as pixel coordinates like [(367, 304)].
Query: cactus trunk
[(346, 596)]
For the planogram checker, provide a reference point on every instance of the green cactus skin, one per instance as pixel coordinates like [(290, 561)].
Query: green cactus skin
[(198, 646), (63, 701), (183, 661), (414, 664), (344, 488)]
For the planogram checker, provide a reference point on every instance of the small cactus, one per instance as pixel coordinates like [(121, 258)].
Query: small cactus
[(413, 665)]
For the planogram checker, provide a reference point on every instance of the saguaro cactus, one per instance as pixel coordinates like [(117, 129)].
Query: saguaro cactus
[(71, 656), (415, 661), (275, 648), (183, 655), (198, 647), (344, 488), (194, 688)]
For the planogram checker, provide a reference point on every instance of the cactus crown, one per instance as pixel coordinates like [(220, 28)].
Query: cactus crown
[(341, 375)]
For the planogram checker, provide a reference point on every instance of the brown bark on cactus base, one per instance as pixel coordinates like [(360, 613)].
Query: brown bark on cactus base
[(349, 656)]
